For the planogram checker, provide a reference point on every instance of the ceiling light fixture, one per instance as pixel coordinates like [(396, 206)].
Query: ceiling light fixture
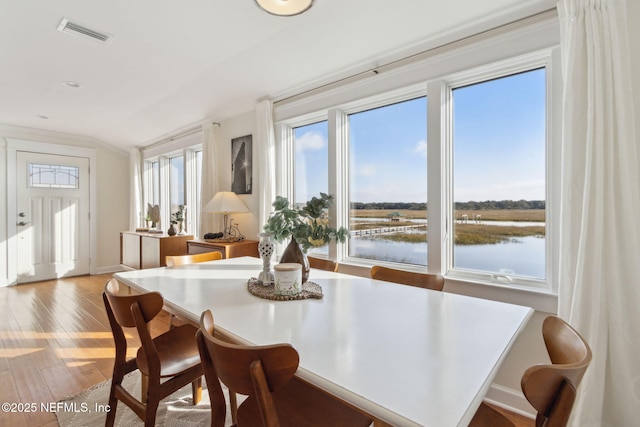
[(284, 7)]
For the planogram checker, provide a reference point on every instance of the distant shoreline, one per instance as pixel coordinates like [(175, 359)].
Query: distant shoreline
[(472, 227)]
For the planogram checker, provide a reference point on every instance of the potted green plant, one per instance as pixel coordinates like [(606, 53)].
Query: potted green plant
[(178, 217), (307, 226)]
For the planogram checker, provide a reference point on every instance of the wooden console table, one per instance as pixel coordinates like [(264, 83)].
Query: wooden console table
[(140, 250), (228, 250)]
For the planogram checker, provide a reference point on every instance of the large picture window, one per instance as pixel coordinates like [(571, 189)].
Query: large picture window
[(499, 138), (388, 182), (311, 153), (472, 201)]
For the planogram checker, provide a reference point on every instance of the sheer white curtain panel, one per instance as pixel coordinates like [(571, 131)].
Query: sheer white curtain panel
[(599, 273), (136, 210), (267, 157), (209, 185)]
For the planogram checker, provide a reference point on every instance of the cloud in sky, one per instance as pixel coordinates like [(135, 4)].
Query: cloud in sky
[(311, 141), (366, 170), (421, 148)]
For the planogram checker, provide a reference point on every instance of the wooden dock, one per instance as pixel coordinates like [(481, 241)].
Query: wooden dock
[(386, 230)]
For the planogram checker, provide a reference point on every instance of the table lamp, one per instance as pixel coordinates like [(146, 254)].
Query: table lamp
[(226, 202)]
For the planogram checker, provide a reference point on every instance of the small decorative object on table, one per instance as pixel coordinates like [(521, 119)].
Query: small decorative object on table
[(288, 278), (309, 290), (172, 230), (153, 215), (265, 249), (307, 226)]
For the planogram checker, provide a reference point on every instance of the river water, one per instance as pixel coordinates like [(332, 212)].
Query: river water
[(522, 256)]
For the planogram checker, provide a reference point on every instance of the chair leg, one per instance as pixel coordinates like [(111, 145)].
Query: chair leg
[(144, 389), (196, 390), (151, 410), (233, 403), (113, 404)]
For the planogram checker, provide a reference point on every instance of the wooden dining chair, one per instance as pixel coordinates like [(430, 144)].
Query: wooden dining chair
[(420, 280), (175, 260), (171, 357), (323, 264), (550, 388), (266, 374)]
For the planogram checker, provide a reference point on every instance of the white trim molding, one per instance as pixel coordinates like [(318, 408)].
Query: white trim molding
[(13, 146)]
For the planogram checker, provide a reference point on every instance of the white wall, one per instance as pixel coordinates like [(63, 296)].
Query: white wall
[(244, 124), (633, 15), (112, 203)]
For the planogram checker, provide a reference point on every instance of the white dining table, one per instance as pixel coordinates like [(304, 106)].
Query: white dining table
[(405, 355)]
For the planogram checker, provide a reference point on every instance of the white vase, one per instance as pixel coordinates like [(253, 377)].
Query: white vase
[(266, 247)]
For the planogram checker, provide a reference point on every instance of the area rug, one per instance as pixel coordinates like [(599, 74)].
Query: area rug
[(87, 408)]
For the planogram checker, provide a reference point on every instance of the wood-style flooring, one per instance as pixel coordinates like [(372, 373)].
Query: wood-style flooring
[(55, 341)]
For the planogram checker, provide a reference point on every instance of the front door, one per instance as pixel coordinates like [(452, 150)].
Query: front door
[(52, 216)]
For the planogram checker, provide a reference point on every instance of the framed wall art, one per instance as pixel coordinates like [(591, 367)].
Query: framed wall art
[(242, 164)]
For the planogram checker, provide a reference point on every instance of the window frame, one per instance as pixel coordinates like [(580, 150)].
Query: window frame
[(529, 62), (540, 293), (186, 147)]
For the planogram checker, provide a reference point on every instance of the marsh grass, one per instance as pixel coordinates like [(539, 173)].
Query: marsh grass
[(486, 215), (481, 234), (465, 234)]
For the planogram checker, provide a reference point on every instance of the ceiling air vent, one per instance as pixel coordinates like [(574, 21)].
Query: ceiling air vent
[(70, 28)]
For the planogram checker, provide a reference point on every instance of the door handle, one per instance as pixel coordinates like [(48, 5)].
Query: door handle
[(22, 223)]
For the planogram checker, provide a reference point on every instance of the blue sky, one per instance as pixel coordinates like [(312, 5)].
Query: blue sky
[(499, 154)]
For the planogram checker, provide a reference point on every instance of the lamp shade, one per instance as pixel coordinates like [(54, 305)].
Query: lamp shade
[(284, 7), (225, 202)]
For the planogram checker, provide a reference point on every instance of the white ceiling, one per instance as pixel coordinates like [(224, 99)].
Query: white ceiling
[(173, 64)]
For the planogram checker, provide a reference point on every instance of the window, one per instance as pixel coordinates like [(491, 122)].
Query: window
[(490, 128), (176, 182), (155, 180), (53, 176), (173, 178), (194, 205), (499, 176), (311, 171), (388, 182), (483, 180)]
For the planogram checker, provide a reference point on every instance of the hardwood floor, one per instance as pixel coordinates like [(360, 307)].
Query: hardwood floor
[(55, 341)]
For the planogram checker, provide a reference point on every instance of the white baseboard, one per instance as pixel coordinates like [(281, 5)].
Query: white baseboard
[(510, 399), (109, 269)]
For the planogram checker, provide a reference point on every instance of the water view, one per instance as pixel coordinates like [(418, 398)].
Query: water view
[(521, 256), (504, 241)]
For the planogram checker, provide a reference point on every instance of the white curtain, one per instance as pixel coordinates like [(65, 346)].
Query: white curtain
[(599, 274), (266, 143), (136, 210), (209, 223)]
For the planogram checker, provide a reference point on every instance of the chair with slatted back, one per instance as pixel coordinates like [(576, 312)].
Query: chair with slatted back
[(266, 374), (166, 363), (323, 264), (420, 280), (176, 260), (551, 389)]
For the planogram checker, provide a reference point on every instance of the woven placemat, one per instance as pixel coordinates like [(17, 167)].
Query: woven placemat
[(309, 290)]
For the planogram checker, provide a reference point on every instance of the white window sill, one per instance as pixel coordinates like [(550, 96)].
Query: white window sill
[(540, 299)]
